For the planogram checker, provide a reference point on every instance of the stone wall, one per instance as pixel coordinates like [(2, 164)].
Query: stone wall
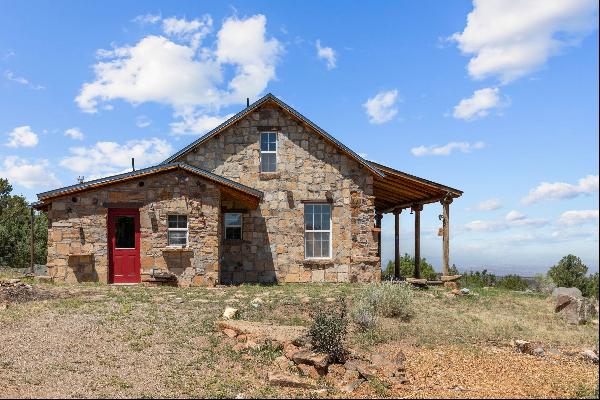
[(308, 168), (77, 237)]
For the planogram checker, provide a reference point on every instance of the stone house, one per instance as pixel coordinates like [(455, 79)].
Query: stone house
[(267, 196)]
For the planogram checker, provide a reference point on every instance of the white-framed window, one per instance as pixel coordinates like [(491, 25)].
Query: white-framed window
[(233, 226), (177, 230), (317, 230), (268, 151)]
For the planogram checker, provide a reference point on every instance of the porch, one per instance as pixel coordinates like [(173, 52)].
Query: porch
[(398, 191)]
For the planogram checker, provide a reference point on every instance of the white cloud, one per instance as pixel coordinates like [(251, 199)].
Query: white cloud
[(510, 38), (489, 205), (562, 190), (327, 54), (22, 136), (142, 121), (74, 133), (147, 19), (191, 124), (515, 215), (578, 217), (512, 220), (30, 175), (175, 71), (479, 105), (107, 158), (381, 108), (464, 147), (9, 75)]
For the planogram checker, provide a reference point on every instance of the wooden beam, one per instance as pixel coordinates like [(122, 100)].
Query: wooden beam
[(446, 235), (417, 208), (397, 244), (402, 206)]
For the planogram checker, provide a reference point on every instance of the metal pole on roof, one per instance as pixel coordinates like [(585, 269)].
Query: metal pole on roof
[(247, 101), (133, 163)]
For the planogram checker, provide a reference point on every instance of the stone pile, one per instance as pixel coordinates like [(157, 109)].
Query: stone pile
[(300, 365)]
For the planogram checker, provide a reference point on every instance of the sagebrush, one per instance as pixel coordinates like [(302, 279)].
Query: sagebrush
[(328, 330)]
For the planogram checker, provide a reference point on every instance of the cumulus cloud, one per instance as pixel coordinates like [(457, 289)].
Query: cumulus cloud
[(22, 136), (147, 19), (327, 54), (464, 147), (489, 205), (479, 104), (107, 158), (194, 124), (74, 133), (142, 121), (562, 190), (512, 219), (28, 174), (578, 217), (180, 71), (511, 38), (382, 107)]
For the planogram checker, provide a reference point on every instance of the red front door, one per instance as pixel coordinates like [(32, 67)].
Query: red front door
[(124, 245)]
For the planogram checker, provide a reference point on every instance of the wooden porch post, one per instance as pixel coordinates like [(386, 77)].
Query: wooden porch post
[(417, 208), (378, 217), (397, 244), (446, 234)]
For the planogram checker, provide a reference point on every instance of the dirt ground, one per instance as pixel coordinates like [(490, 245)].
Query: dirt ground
[(136, 342)]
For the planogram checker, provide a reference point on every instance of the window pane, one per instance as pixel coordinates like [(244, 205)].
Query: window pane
[(177, 238), (177, 221), (268, 161), (325, 245), (309, 246), (308, 218), (317, 221), (264, 142), (326, 218), (125, 232), (233, 219), (172, 221), (232, 233)]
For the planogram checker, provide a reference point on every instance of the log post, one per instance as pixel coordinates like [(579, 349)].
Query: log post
[(31, 255), (446, 235), (397, 244), (378, 217), (417, 208)]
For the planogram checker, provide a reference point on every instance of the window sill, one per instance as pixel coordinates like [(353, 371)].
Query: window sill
[(267, 176), (176, 249), (318, 261)]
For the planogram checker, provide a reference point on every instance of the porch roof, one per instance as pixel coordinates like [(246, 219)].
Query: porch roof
[(397, 190), (109, 180)]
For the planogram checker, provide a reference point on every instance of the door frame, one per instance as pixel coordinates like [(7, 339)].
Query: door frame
[(110, 230)]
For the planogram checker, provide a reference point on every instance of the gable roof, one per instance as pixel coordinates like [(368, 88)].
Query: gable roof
[(251, 108), (45, 196)]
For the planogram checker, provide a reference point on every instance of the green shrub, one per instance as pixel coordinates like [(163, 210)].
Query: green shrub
[(407, 268), (363, 315), (329, 329), (512, 282), (385, 299), (570, 272), (592, 286), (478, 279), (543, 283)]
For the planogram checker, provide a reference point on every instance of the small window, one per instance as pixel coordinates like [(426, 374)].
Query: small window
[(268, 151), (125, 232), (317, 230), (233, 226), (178, 230)]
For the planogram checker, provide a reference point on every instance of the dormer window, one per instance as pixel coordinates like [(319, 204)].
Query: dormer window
[(268, 151)]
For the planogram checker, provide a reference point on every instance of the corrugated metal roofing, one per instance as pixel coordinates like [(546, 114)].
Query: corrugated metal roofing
[(146, 171)]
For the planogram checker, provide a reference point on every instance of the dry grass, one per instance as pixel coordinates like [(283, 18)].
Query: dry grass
[(104, 341)]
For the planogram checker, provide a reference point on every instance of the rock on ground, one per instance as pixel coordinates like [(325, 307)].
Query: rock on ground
[(577, 310)]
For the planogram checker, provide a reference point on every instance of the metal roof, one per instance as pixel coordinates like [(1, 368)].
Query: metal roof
[(147, 171), (254, 106)]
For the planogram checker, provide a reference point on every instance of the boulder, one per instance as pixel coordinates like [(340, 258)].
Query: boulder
[(590, 356), (577, 310), (310, 371), (284, 379), (231, 313), (318, 360), (450, 278), (572, 291), (523, 346)]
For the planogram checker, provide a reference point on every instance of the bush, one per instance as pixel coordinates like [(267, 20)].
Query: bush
[(592, 286), (512, 282), (407, 268), (384, 299), (570, 272), (543, 283), (329, 329), (478, 279)]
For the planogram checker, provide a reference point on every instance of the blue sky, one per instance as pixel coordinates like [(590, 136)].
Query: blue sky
[(503, 105)]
